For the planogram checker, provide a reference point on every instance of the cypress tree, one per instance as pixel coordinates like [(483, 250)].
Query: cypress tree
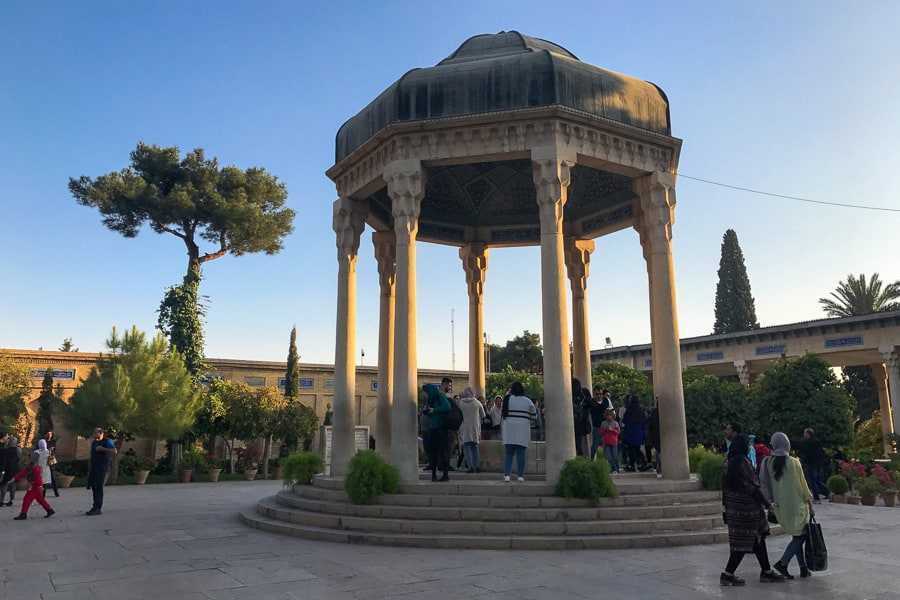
[(292, 375), (735, 310)]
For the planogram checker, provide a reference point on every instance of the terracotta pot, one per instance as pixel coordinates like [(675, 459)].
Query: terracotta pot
[(839, 498), (64, 481), (22, 484), (214, 474), (868, 499), (890, 498), (853, 500), (251, 474), (184, 475), (140, 476)]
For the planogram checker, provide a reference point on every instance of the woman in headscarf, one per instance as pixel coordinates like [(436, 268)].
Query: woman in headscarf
[(743, 502), (44, 462), (470, 430), (782, 480), (518, 412)]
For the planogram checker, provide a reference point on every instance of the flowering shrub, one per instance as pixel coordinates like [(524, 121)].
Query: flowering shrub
[(853, 471), (130, 462), (882, 475), (247, 459)]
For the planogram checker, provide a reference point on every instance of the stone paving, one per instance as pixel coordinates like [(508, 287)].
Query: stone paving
[(184, 541)]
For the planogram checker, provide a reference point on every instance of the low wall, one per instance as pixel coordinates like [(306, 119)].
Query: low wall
[(491, 454)]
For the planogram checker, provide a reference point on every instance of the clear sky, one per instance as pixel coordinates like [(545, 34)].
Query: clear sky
[(796, 98)]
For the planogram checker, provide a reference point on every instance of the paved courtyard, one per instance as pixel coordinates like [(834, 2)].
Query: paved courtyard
[(184, 541)]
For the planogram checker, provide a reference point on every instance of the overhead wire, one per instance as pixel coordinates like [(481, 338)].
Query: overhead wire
[(752, 191)]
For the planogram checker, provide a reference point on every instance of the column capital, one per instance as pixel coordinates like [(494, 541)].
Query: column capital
[(577, 255), (551, 171), (889, 354), (348, 222), (656, 200), (474, 257), (386, 257), (406, 188)]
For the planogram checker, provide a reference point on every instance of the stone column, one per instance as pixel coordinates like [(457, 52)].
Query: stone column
[(743, 371), (348, 222), (645, 249), (891, 362), (385, 255), (884, 404), (406, 188), (657, 202), (475, 260), (578, 260), (550, 168)]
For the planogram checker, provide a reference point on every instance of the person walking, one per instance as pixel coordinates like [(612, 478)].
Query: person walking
[(44, 462), (102, 450), (32, 473), (10, 465), (634, 425), (783, 484), (438, 435), (813, 456), (518, 412), (743, 503), (599, 405), (470, 430)]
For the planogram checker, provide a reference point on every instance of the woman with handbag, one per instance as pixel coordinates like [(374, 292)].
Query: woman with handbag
[(782, 480), (743, 502)]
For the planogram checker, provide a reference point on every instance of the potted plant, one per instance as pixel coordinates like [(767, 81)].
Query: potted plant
[(191, 462), (247, 461), (214, 467), (888, 485), (869, 487), (853, 471), (145, 465), (65, 475), (838, 487)]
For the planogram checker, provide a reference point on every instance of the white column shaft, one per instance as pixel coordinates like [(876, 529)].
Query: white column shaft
[(475, 258), (349, 221), (385, 255), (578, 259)]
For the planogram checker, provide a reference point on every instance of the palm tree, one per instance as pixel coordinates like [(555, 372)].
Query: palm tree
[(858, 297)]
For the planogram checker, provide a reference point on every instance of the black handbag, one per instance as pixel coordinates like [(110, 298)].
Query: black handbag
[(814, 549)]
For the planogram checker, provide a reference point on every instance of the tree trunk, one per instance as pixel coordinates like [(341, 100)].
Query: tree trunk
[(267, 450)]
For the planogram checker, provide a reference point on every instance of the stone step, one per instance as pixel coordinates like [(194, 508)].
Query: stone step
[(505, 496), (710, 507), (498, 487), (501, 541), (450, 524)]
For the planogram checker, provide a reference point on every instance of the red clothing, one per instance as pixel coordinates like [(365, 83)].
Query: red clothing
[(610, 433), (36, 489)]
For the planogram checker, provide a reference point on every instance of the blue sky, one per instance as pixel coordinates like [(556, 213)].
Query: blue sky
[(794, 98)]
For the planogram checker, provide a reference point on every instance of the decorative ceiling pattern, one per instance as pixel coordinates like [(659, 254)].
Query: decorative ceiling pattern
[(499, 198)]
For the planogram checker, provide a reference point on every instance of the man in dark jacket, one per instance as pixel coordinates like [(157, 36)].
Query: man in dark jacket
[(813, 458)]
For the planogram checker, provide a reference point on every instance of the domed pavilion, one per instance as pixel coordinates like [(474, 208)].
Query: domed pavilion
[(509, 141)]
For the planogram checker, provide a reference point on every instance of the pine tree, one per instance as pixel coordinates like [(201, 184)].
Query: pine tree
[(292, 376), (735, 310), (46, 400)]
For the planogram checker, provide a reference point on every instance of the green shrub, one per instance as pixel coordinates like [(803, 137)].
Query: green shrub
[(710, 471), (837, 484), (300, 467), (194, 461), (368, 475), (697, 454), (869, 486), (582, 478)]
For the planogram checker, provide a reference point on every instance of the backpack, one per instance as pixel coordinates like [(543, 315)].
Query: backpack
[(454, 417), (29, 473), (582, 415)]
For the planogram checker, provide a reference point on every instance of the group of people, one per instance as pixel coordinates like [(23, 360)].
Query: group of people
[(40, 472), (774, 490), (630, 434), (511, 416)]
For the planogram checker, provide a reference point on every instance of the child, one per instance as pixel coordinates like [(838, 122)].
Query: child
[(35, 490), (609, 430)]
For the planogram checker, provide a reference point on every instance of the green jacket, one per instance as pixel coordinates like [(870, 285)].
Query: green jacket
[(438, 401)]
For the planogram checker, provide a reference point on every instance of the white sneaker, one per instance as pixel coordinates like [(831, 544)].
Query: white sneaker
[(506, 478), (521, 479)]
